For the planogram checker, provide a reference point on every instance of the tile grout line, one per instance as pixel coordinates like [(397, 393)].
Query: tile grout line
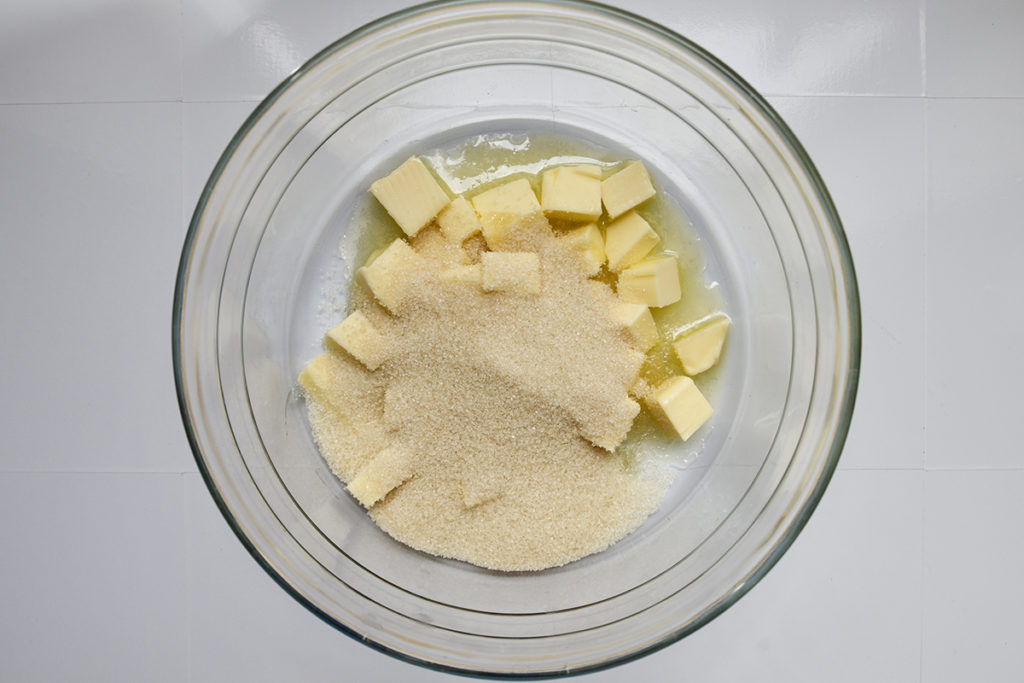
[(922, 22), (60, 103), (181, 51), (184, 217), (235, 100), (767, 95), (145, 473), (924, 397), (187, 562)]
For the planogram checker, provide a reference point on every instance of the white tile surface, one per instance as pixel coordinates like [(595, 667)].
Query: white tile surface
[(830, 609), (975, 281), (240, 50), (82, 51), (974, 49), (93, 229), (864, 538), (882, 205), (806, 47), (93, 566), (972, 560), (206, 130), (281, 640), (117, 568)]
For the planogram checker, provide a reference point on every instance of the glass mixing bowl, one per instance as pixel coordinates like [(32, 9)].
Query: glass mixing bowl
[(263, 248)]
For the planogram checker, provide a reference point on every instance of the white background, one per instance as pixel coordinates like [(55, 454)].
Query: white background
[(116, 565)]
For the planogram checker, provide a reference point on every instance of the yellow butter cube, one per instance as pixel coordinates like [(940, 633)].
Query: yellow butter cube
[(469, 274), (388, 470), (699, 346), (360, 339), (609, 428), (637, 319), (504, 209), (411, 195), (679, 406), (388, 275), (653, 282), (587, 240), (323, 378), (510, 272), (572, 193), (628, 188), (316, 375), (628, 239), (458, 220)]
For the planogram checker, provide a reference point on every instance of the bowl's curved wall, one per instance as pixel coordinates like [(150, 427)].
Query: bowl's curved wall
[(276, 207)]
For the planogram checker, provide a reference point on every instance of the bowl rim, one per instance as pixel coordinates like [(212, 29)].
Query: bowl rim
[(847, 396)]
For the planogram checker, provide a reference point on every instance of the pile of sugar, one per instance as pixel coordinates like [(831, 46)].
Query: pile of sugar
[(493, 395)]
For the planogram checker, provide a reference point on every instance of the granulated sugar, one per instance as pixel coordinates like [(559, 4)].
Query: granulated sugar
[(499, 399)]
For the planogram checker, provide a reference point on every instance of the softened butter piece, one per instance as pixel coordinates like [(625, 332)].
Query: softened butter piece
[(357, 335), (458, 220), (628, 239), (699, 346), (679, 406), (388, 275), (609, 428), (588, 241), (327, 379), (411, 195), (469, 274), (572, 193), (653, 282), (510, 272), (505, 208), (626, 189), (388, 470), (316, 376), (637, 319)]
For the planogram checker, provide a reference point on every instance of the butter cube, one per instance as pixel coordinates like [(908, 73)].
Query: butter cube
[(699, 346), (572, 193), (388, 470), (628, 188), (628, 239), (587, 240), (388, 275), (469, 274), (323, 378), (653, 282), (510, 272), (504, 209), (316, 376), (458, 220), (411, 195), (360, 338), (637, 319), (609, 428), (679, 406)]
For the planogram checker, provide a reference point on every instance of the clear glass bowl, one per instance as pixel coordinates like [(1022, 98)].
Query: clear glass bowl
[(263, 247)]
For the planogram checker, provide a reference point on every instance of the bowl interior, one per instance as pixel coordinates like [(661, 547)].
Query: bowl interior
[(272, 249)]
